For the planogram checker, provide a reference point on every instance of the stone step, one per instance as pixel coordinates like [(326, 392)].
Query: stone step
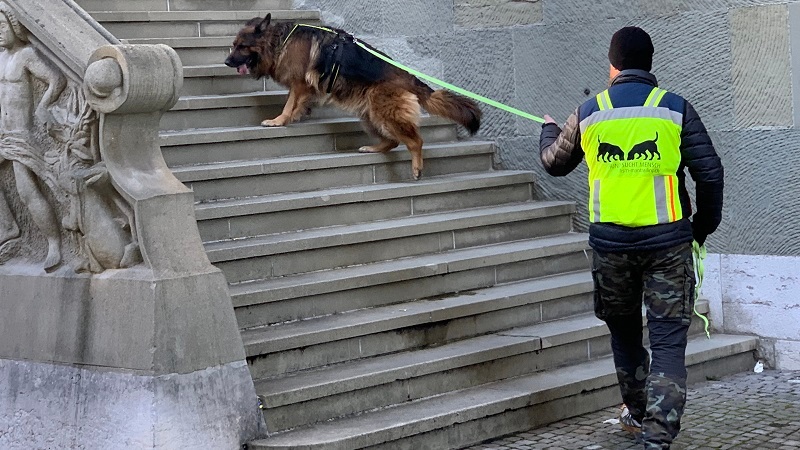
[(250, 141), (233, 110), (468, 416), (195, 51), (352, 388), (467, 359), (257, 216), (317, 294), (293, 253), (219, 79), (331, 340), (172, 24), (182, 5), (306, 173)]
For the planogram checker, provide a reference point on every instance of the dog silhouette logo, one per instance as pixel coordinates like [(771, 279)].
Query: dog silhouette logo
[(643, 151), (647, 150), (609, 152)]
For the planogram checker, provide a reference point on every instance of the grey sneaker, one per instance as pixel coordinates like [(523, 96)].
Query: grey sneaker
[(628, 423)]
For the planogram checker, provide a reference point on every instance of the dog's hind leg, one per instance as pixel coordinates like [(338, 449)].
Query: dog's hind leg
[(396, 112), (386, 144), (409, 133)]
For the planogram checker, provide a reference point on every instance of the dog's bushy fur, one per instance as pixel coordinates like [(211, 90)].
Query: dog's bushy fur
[(386, 98)]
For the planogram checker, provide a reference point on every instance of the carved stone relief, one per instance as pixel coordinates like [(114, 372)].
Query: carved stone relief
[(58, 206)]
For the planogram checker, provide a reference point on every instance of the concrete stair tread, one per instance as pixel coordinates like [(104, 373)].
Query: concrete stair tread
[(208, 70), (340, 378), (442, 411), (315, 283), (202, 16), (382, 230), (386, 369), (355, 194), (375, 320), (186, 42), (244, 133), (320, 161), (257, 98)]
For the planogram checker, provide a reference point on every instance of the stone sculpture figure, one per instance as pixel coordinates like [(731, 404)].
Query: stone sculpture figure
[(20, 64)]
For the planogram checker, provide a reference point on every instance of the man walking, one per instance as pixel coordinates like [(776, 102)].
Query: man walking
[(637, 140)]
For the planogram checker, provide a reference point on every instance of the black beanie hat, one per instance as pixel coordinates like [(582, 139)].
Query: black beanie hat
[(631, 48)]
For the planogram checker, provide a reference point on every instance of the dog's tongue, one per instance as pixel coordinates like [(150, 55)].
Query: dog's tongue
[(243, 70)]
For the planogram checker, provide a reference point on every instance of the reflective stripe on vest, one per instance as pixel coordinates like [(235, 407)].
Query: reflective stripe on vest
[(633, 155)]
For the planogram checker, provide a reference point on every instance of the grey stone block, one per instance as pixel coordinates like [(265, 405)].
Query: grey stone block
[(497, 13), (469, 59), (757, 201), (761, 72), (553, 65), (701, 73), (83, 325), (93, 407), (416, 17)]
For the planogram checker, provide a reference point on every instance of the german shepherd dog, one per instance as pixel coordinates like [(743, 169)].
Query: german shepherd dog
[(327, 64)]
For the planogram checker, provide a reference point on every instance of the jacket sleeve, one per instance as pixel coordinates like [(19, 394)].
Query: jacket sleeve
[(560, 151), (700, 157)]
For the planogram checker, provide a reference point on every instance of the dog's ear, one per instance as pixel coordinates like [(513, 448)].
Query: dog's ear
[(262, 27)]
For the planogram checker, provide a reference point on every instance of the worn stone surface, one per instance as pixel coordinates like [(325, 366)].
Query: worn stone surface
[(761, 60), (761, 213), (760, 296), (757, 295), (746, 411), (497, 13), (67, 407)]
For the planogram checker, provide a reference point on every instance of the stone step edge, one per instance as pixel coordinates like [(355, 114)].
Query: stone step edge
[(416, 225), (359, 194), (375, 371), (186, 42), (283, 337), (392, 271), (390, 424), (323, 161), (209, 70), (202, 16), (311, 127), (239, 100)]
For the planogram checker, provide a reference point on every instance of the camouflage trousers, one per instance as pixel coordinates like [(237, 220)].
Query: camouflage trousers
[(653, 388)]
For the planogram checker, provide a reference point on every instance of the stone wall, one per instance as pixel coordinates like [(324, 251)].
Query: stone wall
[(733, 59)]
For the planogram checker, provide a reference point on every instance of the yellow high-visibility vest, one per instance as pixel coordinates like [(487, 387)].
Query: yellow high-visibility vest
[(633, 155)]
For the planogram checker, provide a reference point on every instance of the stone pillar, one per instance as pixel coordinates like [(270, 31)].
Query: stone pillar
[(128, 340)]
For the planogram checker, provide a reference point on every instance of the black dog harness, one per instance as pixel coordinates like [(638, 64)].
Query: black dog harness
[(344, 57)]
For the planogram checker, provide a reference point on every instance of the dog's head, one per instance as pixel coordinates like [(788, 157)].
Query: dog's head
[(250, 53)]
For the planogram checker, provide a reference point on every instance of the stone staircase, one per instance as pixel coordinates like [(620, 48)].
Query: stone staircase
[(377, 311)]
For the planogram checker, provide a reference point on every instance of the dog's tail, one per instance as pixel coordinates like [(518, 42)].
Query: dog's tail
[(457, 108)]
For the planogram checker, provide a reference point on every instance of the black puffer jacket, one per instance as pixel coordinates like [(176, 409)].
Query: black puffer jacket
[(561, 152)]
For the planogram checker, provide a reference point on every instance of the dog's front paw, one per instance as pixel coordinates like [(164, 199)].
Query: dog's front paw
[(276, 122)]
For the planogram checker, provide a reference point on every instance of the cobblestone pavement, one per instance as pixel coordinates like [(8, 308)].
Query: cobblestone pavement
[(746, 411)]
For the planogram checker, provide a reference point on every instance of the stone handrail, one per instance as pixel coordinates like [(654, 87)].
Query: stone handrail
[(125, 89)]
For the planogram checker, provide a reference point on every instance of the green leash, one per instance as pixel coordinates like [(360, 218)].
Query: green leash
[(433, 80), (699, 254), (450, 87)]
